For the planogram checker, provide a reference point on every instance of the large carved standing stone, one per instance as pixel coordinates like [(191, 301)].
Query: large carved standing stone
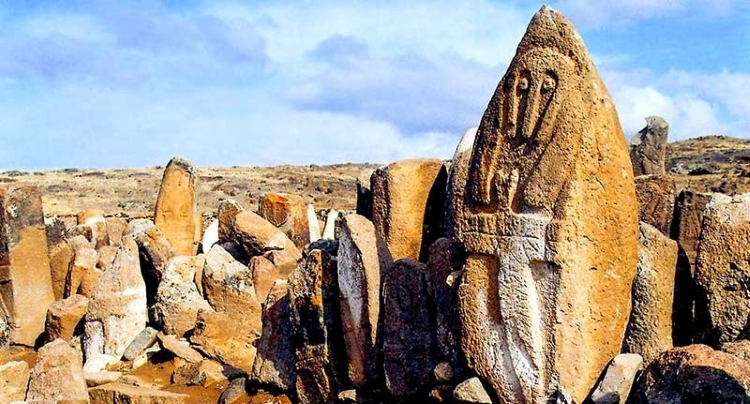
[(549, 222), (656, 195), (722, 272), (405, 194), (175, 208), (25, 279), (649, 146)]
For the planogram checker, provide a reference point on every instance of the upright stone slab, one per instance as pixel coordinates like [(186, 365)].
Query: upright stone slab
[(405, 193), (25, 279), (275, 361), (649, 331), (155, 251), (175, 208), (363, 257), (722, 272), (648, 147), (178, 299), (316, 328), (457, 178), (288, 213), (312, 223), (549, 222), (656, 197)]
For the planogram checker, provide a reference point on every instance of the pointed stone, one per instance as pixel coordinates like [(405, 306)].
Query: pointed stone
[(649, 331), (175, 208), (117, 308), (329, 231), (178, 299), (407, 205), (25, 279), (288, 213), (210, 236), (64, 317), (275, 361), (656, 196), (648, 147), (312, 223), (362, 259), (471, 391), (57, 362), (549, 222), (457, 178)]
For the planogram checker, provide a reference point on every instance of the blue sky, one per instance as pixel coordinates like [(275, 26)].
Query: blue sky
[(109, 84)]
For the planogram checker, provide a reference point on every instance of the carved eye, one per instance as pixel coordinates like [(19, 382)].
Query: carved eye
[(523, 84), (548, 85)]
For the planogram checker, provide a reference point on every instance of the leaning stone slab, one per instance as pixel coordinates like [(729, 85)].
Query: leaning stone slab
[(618, 380), (175, 208), (25, 278), (143, 341), (180, 348)]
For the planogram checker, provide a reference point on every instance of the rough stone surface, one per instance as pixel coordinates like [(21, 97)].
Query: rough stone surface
[(404, 194), (226, 339), (457, 178), (103, 377), (117, 308), (648, 147), (740, 349), (175, 208), (265, 274), (56, 362), (155, 252), (116, 228), (329, 231), (205, 373), (548, 217), (288, 213), (257, 235), (693, 374), (656, 197), (722, 273), (226, 212), (64, 318), (14, 379), (60, 256), (275, 361), (178, 299), (618, 379), (94, 218), (362, 258), (407, 329), (25, 278), (119, 393), (83, 273), (235, 392), (649, 331), (471, 391), (312, 223), (144, 340), (179, 348), (316, 326)]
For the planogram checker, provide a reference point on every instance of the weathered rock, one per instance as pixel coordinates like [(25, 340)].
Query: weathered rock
[(94, 218), (446, 257), (740, 349), (204, 373), (264, 273), (119, 393), (64, 318), (722, 273), (656, 197), (288, 213), (116, 228), (471, 391), (329, 231), (14, 379), (316, 325), (60, 256), (235, 392), (618, 380), (693, 374), (144, 340), (405, 193), (57, 362), (312, 223), (688, 221), (175, 208), (179, 348), (257, 236), (228, 286), (362, 258), (83, 273), (103, 377), (228, 209), (457, 178), (549, 222), (407, 329), (25, 280), (364, 200), (155, 252), (210, 236), (55, 228), (107, 256), (275, 360), (98, 362), (178, 299), (649, 331), (443, 372), (226, 339), (648, 147), (117, 308), (284, 260)]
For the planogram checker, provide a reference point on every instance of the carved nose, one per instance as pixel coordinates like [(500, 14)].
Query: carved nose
[(530, 116)]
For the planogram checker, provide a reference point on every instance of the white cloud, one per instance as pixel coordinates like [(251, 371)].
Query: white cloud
[(601, 14)]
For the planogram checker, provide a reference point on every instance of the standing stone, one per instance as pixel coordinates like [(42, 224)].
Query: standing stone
[(407, 330), (275, 361), (363, 257), (265, 274), (722, 272), (288, 213), (227, 211), (57, 375), (457, 178), (175, 207), (178, 299), (116, 228), (117, 308), (155, 252), (25, 279), (64, 317), (649, 146), (404, 194), (316, 328), (312, 223), (649, 331), (210, 236), (329, 231), (618, 380), (364, 200), (60, 256), (549, 223), (656, 197), (14, 380)]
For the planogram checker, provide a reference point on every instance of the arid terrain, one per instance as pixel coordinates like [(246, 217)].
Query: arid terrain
[(707, 164)]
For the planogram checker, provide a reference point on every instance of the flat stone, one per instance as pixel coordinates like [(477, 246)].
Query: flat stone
[(618, 380), (115, 393), (312, 223), (179, 348), (144, 340), (227, 339), (60, 256), (329, 230), (103, 377), (205, 373)]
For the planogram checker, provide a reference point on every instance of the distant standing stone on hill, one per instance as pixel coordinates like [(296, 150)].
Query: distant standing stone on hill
[(648, 147), (175, 208), (25, 276)]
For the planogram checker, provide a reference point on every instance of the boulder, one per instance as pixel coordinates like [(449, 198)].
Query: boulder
[(175, 208), (228, 209), (288, 213), (56, 362), (60, 256), (258, 236), (14, 380), (155, 252), (649, 331), (116, 228), (180, 348), (178, 299), (115, 393), (648, 147), (144, 340), (471, 391), (362, 258), (329, 230), (265, 274), (64, 318), (225, 339), (83, 273), (94, 219), (404, 194), (656, 198), (548, 218), (25, 277), (618, 379), (275, 360)]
